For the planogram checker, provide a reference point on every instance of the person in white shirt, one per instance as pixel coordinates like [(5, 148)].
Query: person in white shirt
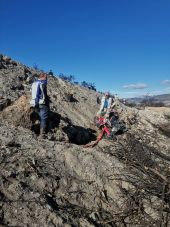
[(107, 104)]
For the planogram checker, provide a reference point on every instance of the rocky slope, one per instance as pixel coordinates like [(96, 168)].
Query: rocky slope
[(58, 182)]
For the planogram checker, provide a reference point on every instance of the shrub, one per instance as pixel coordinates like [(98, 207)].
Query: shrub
[(90, 86), (69, 78)]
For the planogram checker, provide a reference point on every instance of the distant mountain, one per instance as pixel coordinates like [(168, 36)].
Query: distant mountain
[(164, 98)]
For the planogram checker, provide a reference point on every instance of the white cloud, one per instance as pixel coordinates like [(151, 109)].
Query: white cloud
[(130, 92), (136, 86), (167, 88), (166, 82), (142, 93), (157, 92)]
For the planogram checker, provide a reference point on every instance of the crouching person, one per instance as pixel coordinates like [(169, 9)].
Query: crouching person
[(40, 102)]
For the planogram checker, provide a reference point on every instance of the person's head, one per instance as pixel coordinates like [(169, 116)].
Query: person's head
[(43, 76), (107, 95)]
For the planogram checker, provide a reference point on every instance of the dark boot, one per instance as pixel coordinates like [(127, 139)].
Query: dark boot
[(42, 133)]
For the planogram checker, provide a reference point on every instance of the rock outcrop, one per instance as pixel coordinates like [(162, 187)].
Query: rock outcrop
[(58, 182)]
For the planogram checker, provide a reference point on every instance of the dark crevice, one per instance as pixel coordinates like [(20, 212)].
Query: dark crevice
[(51, 202), (79, 135)]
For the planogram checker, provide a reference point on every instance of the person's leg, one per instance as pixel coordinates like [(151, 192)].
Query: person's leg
[(43, 111)]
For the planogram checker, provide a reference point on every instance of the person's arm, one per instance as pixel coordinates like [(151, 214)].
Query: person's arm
[(101, 106), (45, 98), (37, 97), (34, 94), (112, 104)]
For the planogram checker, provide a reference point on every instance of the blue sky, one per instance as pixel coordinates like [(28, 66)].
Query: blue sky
[(123, 46)]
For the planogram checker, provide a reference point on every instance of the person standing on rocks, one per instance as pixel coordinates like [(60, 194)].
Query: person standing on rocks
[(40, 101), (107, 104)]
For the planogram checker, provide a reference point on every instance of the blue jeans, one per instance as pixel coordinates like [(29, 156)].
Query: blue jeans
[(43, 113)]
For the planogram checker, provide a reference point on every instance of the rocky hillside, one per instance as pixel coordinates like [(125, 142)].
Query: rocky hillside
[(58, 182)]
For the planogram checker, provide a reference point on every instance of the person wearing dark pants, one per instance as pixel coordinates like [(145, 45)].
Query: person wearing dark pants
[(40, 101), (43, 113)]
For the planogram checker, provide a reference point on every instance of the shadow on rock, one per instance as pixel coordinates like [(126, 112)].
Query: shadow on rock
[(70, 98), (79, 135), (54, 120), (76, 134)]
